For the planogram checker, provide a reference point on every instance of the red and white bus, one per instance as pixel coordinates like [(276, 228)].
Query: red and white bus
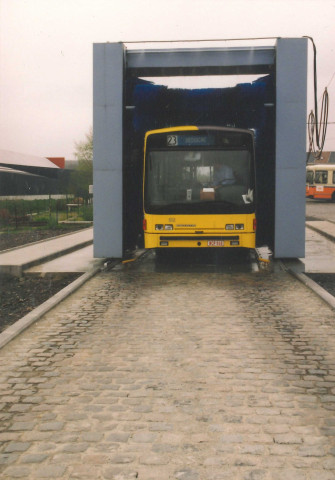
[(320, 181)]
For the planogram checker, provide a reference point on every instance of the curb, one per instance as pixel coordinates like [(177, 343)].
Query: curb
[(327, 235), (308, 282), (14, 330)]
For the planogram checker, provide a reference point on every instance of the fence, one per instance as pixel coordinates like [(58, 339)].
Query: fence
[(42, 211)]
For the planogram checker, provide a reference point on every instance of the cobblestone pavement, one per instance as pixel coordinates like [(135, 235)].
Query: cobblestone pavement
[(173, 376)]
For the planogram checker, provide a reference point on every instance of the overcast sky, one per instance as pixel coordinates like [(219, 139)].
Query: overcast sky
[(46, 54)]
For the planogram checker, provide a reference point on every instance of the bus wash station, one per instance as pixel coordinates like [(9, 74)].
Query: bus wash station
[(127, 105)]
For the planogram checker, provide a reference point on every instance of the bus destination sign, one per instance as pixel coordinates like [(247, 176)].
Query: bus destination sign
[(189, 140)]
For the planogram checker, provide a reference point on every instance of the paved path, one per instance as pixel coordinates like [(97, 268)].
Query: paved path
[(320, 249), (18, 259), (81, 260), (173, 376)]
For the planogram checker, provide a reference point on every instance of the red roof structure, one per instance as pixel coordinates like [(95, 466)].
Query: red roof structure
[(59, 161)]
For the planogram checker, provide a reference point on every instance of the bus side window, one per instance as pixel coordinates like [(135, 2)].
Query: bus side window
[(309, 177), (334, 177), (321, 176)]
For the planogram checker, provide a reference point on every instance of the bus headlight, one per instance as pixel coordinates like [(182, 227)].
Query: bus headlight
[(239, 226), (230, 226), (168, 227), (159, 226)]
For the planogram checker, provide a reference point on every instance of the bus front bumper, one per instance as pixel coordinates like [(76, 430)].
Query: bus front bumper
[(155, 240)]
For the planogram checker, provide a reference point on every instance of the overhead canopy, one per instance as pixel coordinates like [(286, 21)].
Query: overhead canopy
[(204, 61)]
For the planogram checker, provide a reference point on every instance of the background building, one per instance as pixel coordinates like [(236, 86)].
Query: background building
[(22, 174)]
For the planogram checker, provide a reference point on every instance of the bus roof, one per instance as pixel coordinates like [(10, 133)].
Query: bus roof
[(181, 128), (321, 166)]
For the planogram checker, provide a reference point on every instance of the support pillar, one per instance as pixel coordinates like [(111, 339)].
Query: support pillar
[(291, 111), (108, 70)]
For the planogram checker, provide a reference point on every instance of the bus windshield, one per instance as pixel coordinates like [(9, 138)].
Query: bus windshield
[(192, 180)]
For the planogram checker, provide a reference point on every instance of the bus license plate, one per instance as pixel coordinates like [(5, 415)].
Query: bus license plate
[(215, 243)]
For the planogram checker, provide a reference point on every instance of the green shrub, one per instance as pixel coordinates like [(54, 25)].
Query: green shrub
[(87, 213)]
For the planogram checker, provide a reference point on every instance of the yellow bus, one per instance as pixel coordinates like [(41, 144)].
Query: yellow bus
[(199, 188)]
